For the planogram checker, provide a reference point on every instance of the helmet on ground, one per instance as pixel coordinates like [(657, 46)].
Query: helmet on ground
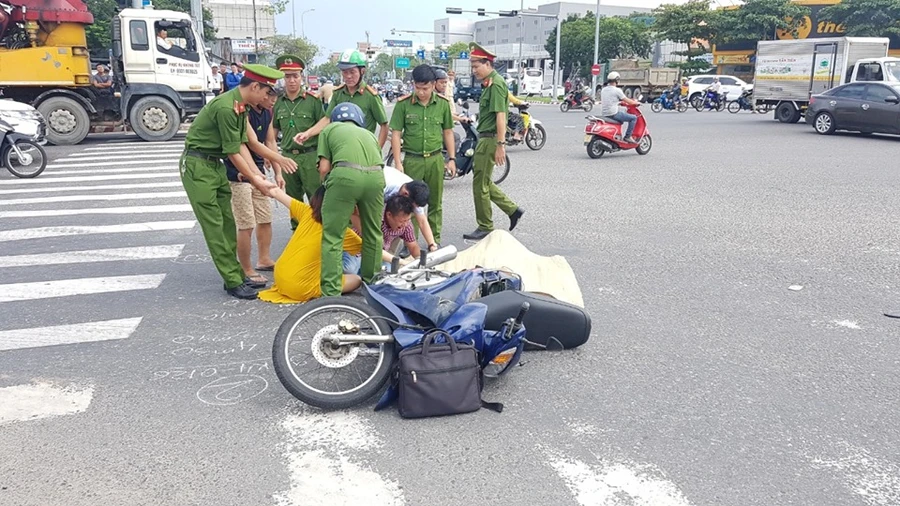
[(348, 111), (613, 76), (351, 58)]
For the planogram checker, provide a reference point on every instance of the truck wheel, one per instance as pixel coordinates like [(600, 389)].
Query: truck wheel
[(67, 120), (787, 113), (627, 92), (154, 119)]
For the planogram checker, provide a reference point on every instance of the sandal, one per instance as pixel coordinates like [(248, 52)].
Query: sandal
[(266, 268), (256, 280)]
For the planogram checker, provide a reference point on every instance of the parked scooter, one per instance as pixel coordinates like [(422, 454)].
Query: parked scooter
[(534, 137), (603, 135), (570, 102), (19, 153), (668, 102)]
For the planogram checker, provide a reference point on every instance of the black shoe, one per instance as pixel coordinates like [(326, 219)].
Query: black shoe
[(893, 314), (255, 284), (242, 291), (477, 235), (514, 218)]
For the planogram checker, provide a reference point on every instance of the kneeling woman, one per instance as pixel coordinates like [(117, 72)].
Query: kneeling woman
[(297, 271)]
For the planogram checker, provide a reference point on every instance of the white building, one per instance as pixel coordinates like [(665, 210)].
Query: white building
[(453, 29), (235, 31)]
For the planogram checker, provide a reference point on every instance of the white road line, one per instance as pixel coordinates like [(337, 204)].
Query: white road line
[(174, 208), (91, 163), (77, 179), (89, 198), (66, 172), (44, 232), (872, 477), (69, 188), (616, 484), (22, 403), (92, 255), (83, 286), (137, 145), (89, 332), (130, 153)]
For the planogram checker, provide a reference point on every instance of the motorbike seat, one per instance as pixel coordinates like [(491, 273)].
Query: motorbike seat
[(607, 119), (549, 322)]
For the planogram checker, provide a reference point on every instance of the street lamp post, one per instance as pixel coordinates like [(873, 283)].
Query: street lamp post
[(302, 26), (596, 47)]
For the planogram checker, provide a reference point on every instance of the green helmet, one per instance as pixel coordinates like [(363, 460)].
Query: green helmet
[(351, 58)]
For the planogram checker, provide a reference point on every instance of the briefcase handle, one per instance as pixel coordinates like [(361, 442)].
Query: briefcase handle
[(428, 340)]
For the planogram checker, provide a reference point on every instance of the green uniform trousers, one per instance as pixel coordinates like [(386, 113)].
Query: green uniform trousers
[(483, 188), (346, 188), (208, 191), (303, 182), (431, 171)]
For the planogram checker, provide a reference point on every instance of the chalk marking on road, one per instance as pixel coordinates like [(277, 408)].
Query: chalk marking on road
[(875, 480), (174, 208), (847, 323), (14, 292), (87, 198), (44, 232), (21, 403), (88, 332), (77, 179), (322, 473), (137, 145), (129, 153), (88, 163), (92, 255), (616, 484), (70, 188), (173, 168)]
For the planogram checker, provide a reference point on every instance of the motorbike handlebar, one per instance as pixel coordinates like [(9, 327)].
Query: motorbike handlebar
[(521, 316)]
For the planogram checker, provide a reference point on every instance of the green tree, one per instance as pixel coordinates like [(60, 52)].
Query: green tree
[(866, 18), (690, 22), (99, 36), (759, 19), (619, 38), (286, 44), (329, 70), (454, 49)]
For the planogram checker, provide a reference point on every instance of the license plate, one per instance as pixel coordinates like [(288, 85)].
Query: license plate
[(587, 138)]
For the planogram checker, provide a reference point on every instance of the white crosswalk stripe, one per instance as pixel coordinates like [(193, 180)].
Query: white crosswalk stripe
[(63, 241)]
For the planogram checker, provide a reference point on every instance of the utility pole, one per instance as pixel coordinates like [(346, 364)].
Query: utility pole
[(596, 47), (521, 67), (197, 16), (255, 35)]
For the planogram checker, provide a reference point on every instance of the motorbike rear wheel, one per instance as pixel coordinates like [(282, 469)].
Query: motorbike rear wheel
[(681, 106), (595, 148), (564, 106), (501, 172), (588, 105), (536, 137), (340, 376), (30, 164)]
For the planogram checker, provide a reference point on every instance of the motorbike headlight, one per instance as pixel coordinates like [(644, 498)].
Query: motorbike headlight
[(500, 363), (470, 152)]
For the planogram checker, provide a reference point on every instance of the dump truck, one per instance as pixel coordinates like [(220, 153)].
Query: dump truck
[(157, 82), (788, 72), (642, 82)]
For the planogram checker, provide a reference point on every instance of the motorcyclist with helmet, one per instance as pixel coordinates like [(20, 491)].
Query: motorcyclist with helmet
[(611, 96)]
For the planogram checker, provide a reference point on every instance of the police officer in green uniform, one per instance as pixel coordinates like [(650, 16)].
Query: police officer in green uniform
[(354, 89), (425, 125), (220, 131), (295, 112), (351, 166), (491, 147)]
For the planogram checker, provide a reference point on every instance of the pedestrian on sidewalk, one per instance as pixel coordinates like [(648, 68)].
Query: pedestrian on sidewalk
[(423, 124), (220, 131), (296, 112), (493, 109), (351, 166)]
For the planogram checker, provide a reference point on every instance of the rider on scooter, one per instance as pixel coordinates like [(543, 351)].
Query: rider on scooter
[(714, 89), (610, 98)]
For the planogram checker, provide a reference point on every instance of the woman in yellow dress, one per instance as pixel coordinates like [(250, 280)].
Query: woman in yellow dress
[(297, 271)]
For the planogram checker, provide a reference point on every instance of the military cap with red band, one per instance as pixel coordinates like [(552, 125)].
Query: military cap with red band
[(476, 51), (290, 63), (262, 74)]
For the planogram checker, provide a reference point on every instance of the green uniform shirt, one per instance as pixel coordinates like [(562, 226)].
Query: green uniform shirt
[(346, 142), (422, 125), (295, 116), (494, 99), (366, 98), (221, 126)]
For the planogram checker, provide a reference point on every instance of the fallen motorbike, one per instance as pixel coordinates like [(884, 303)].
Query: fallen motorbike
[(570, 102), (534, 137), (710, 101), (338, 352), (606, 134), (668, 102), (19, 152)]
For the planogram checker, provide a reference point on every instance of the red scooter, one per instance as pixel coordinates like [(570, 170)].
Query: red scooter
[(605, 134)]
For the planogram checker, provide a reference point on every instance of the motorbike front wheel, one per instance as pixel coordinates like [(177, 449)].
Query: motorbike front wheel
[(656, 107), (536, 137), (720, 106), (734, 107), (681, 107), (29, 162), (327, 376), (564, 107)]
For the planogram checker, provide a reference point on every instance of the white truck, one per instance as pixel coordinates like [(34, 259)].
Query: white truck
[(788, 72)]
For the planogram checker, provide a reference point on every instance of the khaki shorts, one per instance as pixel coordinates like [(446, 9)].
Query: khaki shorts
[(250, 206)]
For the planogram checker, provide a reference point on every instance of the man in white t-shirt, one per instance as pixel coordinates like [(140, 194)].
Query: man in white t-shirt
[(610, 97), (162, 39)]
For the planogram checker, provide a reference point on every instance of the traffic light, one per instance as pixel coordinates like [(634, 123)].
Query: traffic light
[(454, 10), (507, 14), (481, 12)]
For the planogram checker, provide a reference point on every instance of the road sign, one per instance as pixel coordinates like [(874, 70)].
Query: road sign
[(401, 63), (398, 43), (595, 69), (420, 54), (463, 55), (443, 55)]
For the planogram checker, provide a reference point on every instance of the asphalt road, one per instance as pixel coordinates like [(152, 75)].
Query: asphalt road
[(736, 277)]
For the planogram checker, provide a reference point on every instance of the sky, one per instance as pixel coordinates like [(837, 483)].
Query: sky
[(339, 25)]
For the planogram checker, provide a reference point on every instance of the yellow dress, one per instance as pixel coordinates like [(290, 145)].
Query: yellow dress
[(298, 269)]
